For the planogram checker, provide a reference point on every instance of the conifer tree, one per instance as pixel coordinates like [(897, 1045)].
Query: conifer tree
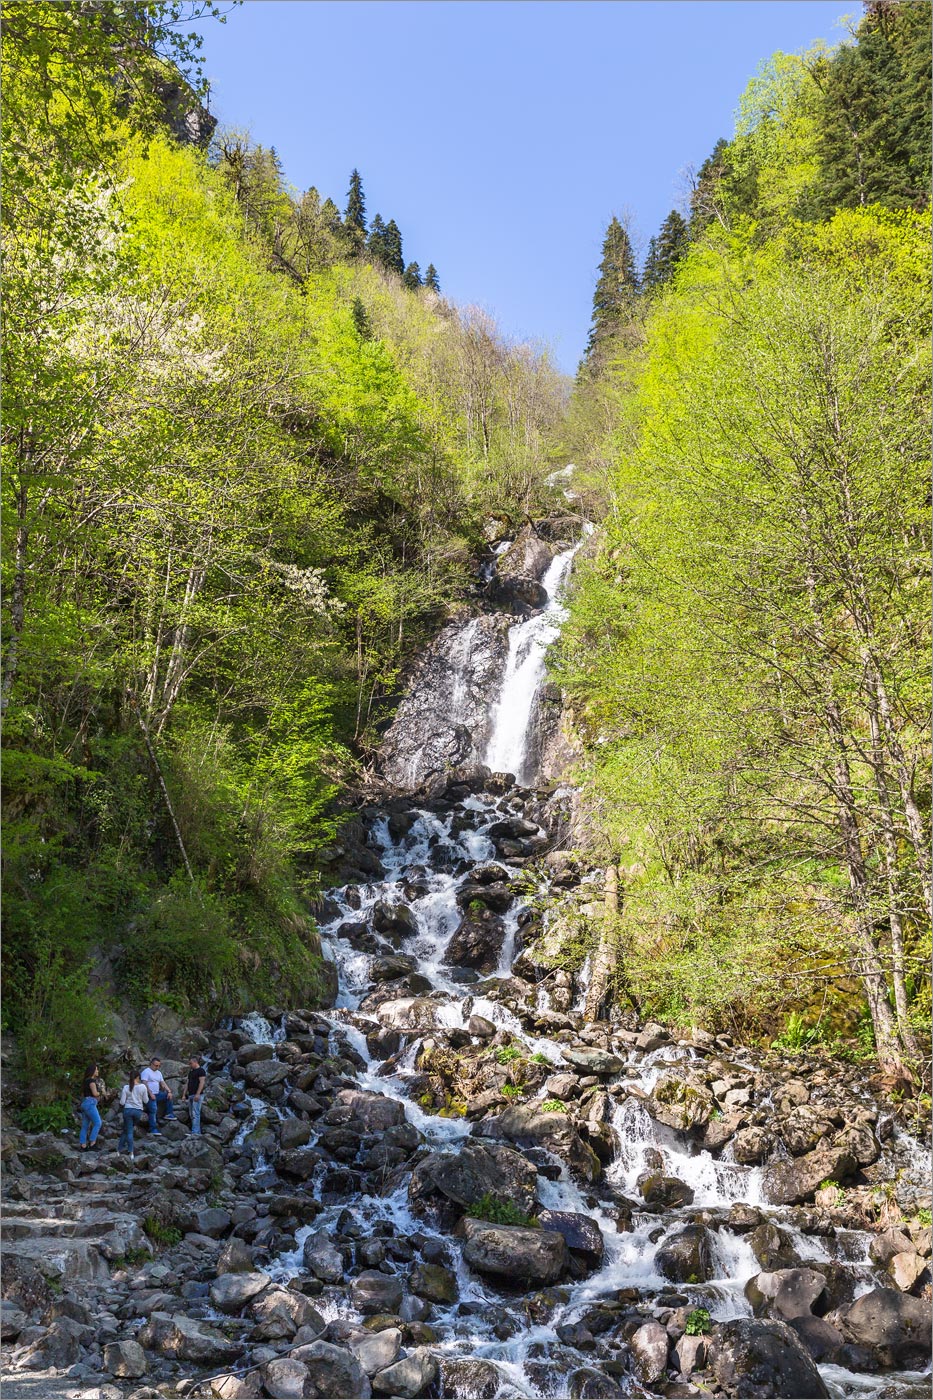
[(376, 245), (706, 201), (431, 279), (412, 277), (665, 251), (331, 216), (394, 260), (354, 217), (616, 292), (361, 319)]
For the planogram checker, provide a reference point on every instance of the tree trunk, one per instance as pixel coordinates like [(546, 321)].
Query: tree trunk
[(164, 790), (604, 955)]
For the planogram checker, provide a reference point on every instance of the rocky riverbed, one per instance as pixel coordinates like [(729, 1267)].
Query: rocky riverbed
[(449, 1185)]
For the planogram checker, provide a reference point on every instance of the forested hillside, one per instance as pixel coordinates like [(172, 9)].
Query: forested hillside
[(247, 453), (747, 653)]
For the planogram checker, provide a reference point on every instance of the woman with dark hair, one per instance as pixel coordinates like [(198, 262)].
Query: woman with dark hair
[(90, 1113), (134, 1098)]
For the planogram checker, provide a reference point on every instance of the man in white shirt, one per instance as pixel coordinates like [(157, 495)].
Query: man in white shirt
[(159, 1093)]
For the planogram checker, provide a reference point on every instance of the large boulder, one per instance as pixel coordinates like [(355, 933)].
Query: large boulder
[(582, 1235), (333, 1373), (263, 1074), (476, 941), (475, 1171), (125, 1359), (231, 1292), (412, 1376), (377, 1350), (394, 920), (765, 1361), (649, 1345), (527, 1258), (364, 1112), (184, 1339), (786, 1293), (529, 1126), (894, 1326), (592, 1060), (788, 1183), (374, 1294), (686, 1256)]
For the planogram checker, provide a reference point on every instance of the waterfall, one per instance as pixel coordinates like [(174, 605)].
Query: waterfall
[(512, 722)]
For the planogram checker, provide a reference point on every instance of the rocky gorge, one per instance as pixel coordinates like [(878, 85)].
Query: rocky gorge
[(450, 1183)]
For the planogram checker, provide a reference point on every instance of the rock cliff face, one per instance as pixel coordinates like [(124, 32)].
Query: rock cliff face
[(444, 719)]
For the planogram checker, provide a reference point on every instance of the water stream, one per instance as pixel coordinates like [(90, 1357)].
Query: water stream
[(423, 869)]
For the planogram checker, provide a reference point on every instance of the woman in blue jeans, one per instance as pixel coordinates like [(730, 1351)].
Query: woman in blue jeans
[(90, 1113), (134, 1098)]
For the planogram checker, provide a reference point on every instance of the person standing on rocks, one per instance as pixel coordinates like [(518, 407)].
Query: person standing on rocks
[(194, 1092), (91, 1090), (159, 1093), (134, 1100)]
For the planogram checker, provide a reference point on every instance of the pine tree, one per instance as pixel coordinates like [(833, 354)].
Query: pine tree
[(354, 217), (331, 216), (412, 277), (665, 251), (376, 245), (361, 319), (706, 201), (394, 260), (431, 279), (616, 293)]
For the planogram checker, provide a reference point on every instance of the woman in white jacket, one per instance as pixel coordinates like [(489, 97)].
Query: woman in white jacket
[(134, 1099)]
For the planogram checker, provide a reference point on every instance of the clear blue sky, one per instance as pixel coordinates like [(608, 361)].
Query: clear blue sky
[(502, 135)]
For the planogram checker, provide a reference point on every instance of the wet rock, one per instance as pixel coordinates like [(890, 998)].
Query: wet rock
[(497, 897), (478, 1169), (479, 1027), (821, 1339), (528, 556), (680, 1103), (285, 1378), (593, 1061), (689, 1355), (662, 1192), (394, 919), (803, 1129), (788, 1183), (263, 1074), (410, 1377), (786, 1293), (686, 1256), (861, 1143), (649, 1347), (364, 1112), (477, 941), (469, 1380), (906, 1270), (389, 969), (586, 1383), (280, 1312), (581, 1234), (528, 1126), (521, 596), (374, 1293), (231, 1292), (377, 1350), (294, 1133), (773, 1247), (885, 1245), (236, 1257), (299, 1163), (765, 1361), (333, 1372), (410, 1013), (322, 1258), (894, 1327), (434, 1282), (750, 1146), (183, 1339), (526, 1257)]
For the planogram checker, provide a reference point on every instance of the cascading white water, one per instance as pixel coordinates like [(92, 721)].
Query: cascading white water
[(507, 750)]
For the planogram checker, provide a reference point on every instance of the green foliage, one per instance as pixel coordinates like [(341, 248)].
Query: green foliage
[(46, 1117), (511, 1091), (698, 1322), (499, 1212), (553, 1106), (539, 1058), (615, 296), (924, 1217), (162, 1233), (508, 1054), (797, 1035)]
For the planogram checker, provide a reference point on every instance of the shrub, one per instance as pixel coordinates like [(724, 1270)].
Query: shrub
[(553, 1106), (538, 1058), (511, 1091), (508, 1054), (797, 1035), (46, 1117), (499, 1212), (160, 1232), (698, 1322)]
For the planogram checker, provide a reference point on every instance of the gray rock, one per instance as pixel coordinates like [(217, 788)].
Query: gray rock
[(286, 1378), (364, 1112), (593, 1061), (528, 1126), (125, 1359), (786, 1293), (477, 941), (789, 1183), (410, 1377), (377, 1350), (476, 1170), (526, 1256), (751, 1146), (906, 1269), (649, 1347), (434, 1282), (662, 1192), (294, 1132), (183, 1339), (686, 1257), (321, 1258), (262, 1074), (12, 1321), (773, 1247), (820, 1338), (470, 1379), (231, 1292), (581, 1234), (333, 1373), (236, 1257), (394, 919), (680, 1102), (765, 1361), (211, 1222), (894, 1326), (282, 1311), (374, 1293), (689, 1355)]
